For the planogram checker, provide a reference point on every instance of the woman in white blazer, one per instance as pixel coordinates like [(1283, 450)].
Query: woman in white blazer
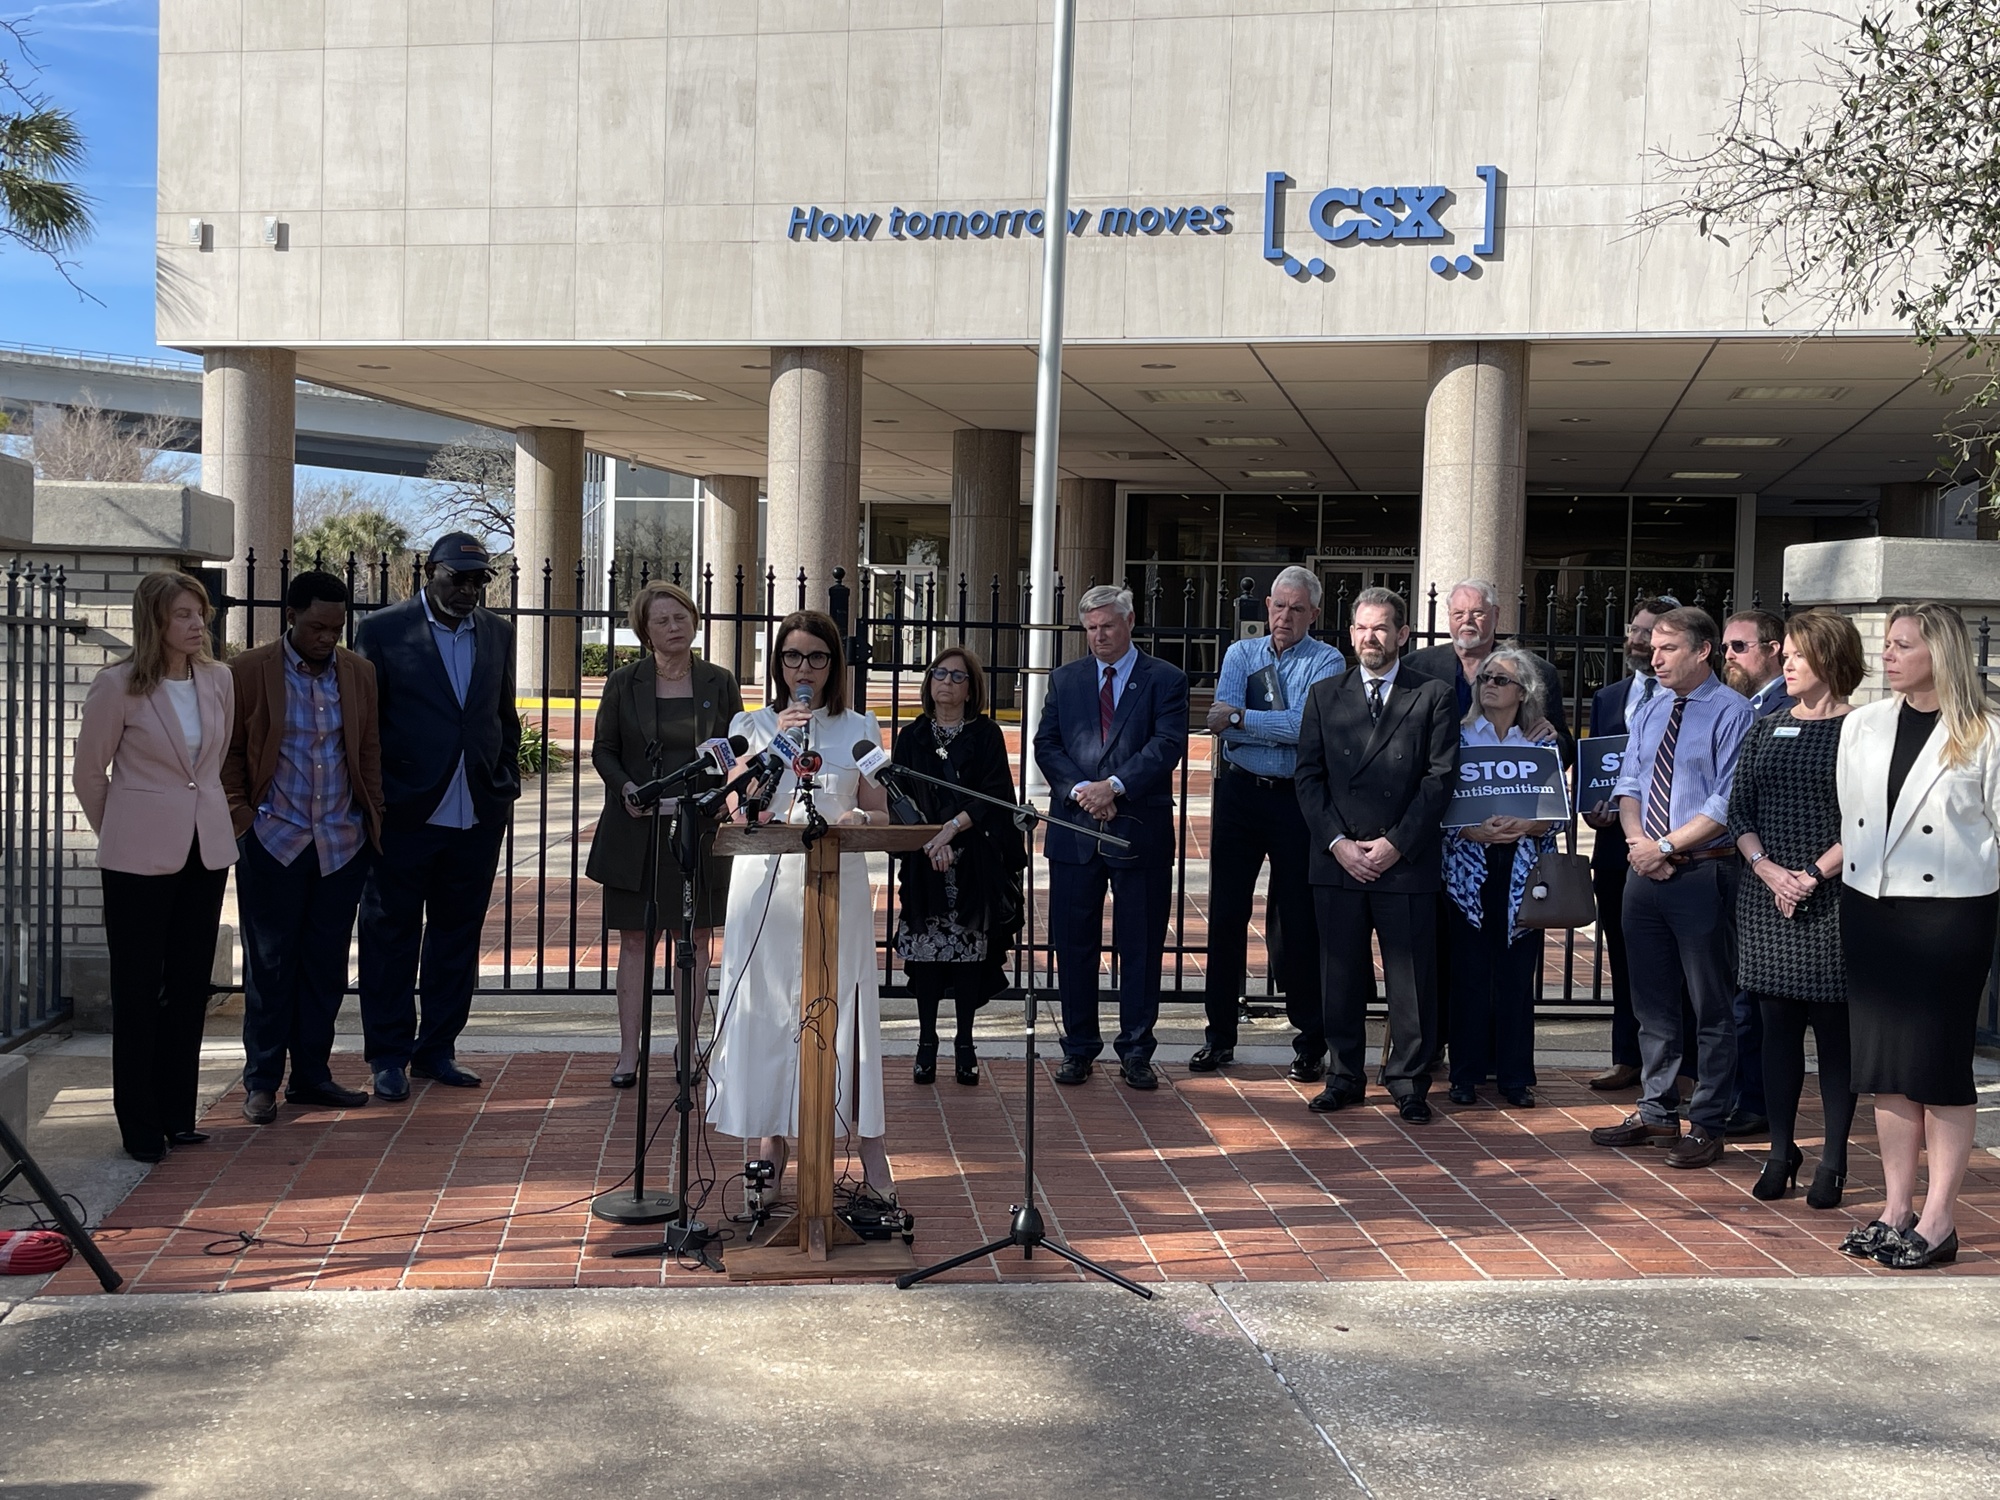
[(148, 775), (1919, 785)]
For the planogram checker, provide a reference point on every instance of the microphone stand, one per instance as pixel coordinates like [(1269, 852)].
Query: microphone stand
[(1024, 1226), (686, 1235), (635, 1205)]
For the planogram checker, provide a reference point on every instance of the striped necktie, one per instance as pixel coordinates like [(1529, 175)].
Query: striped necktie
[(1660, 793), (1106, 704)]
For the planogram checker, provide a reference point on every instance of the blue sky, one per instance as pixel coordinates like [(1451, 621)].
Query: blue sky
[(100, 61)]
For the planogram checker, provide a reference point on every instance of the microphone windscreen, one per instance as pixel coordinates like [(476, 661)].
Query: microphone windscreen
[(804, 694), (862, 747), (738, 745)]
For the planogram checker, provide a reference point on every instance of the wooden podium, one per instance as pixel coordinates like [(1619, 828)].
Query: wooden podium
[(816, 1244)]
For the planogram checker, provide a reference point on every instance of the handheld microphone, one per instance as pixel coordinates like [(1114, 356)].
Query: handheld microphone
[(872, 761), (716, 756), (757, 780), (805, 761)]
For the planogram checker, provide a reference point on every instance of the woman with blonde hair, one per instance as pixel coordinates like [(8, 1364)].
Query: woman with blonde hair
[(1919, 782), (148, 774), (671, 701)]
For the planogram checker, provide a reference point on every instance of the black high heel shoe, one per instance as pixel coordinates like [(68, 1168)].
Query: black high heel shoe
[(1910, 1251), (965, 1061), (1778, 1177), (1826, 1188), (924, 1070)]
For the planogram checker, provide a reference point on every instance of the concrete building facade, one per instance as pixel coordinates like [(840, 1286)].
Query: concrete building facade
[(1349, 284)]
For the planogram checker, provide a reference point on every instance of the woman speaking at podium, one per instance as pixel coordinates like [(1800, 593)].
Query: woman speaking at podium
[(753, 1088)]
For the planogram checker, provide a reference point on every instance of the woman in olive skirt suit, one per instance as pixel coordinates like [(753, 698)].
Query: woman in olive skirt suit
[(1786, 818), (1919, 782), (674, 701)]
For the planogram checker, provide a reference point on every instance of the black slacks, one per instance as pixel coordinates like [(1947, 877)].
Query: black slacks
[(1406, 928), (160, 933), (423, 907), (1491, 986), (296, 925), (1681, 933), (1254, 822)]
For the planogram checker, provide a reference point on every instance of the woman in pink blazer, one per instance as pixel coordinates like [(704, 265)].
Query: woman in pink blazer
[(148, 774)]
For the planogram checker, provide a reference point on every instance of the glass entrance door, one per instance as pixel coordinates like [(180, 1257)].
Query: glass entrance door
[(1343, 577)]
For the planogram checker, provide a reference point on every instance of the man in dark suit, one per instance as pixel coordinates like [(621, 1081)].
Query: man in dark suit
[(1473, 617), (1114, 727), (1377, 748), (304, 779), (1753, 662), (1611, 708), (444, 668)]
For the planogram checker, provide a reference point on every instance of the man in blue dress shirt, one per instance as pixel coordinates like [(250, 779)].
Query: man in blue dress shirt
[(1680, 905), (1259, 699)]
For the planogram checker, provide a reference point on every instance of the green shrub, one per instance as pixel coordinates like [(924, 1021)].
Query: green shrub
[(597, 660), (537, 755)]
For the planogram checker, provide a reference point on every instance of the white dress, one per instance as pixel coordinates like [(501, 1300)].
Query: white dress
[(753, 1078)]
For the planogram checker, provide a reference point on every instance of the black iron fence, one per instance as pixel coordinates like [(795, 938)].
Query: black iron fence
[(34, 766)]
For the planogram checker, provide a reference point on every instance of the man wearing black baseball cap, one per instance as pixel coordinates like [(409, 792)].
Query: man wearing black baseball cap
[(444, 672)]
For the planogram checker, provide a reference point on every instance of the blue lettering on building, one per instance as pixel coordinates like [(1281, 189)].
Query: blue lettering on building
[(815, 223), (1380, 215)]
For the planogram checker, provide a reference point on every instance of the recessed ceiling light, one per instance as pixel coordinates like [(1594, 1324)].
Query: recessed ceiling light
[(1741, 442), (1589, 362), (657, 396), (886, 421), (1562, 460), (374, 367), (1190, 396), (1902, 460), (1572, 419), (756, 367), (1243, 442), (1159, 367), (570, 420), (1218, 422), (1706, 474), (1277, 473), (1788, 393)]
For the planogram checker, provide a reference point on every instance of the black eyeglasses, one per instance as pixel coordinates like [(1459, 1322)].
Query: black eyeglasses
[(1744, 648), (1494, 679), (949, 674), (469, 580), (814, 659)]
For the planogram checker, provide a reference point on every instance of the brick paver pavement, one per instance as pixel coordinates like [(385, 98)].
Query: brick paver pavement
[(1217, 1178)]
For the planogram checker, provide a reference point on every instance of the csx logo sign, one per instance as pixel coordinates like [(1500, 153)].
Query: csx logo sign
[(1380, 215)]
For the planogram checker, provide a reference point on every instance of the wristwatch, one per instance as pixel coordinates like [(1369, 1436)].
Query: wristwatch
[(1236, 719), (1667, 847), (1759, 855)]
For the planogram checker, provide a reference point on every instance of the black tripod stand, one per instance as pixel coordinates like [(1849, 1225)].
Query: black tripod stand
[(24, 1165), (1024, 1227), (686, 1235)]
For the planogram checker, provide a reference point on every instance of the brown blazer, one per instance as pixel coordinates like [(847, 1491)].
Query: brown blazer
[(252, 762), (146, 802)]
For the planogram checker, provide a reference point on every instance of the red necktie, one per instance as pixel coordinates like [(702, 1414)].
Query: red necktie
[(1105, 705)]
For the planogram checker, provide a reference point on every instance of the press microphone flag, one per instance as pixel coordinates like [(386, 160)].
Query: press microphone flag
[(716, 756), (872, 761)]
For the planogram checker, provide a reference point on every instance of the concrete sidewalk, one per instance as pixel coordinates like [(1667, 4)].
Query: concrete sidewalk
[(1797, 1391)]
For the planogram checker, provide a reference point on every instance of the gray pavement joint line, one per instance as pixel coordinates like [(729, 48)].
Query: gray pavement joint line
[(1298, 1397)]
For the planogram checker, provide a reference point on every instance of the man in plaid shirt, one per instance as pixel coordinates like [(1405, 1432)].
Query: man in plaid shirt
[(304, 778)]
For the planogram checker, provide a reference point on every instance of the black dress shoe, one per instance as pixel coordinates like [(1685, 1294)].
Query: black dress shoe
[(1462, 1093), (1519, 1098), (1862, 1243), (392, 1084), (445, 1071), (1208, 1059), (1743, 1122), (260, 1106), (1910, 1251), (1306, 1070), (151, 1156), (1414, 1108), (187, 1137), (1334, 1096), (1074, 1070), (924, 1069), (328, 1095), (1139, 1075), (965, 1064), (625, 1080), (1827, 1186)]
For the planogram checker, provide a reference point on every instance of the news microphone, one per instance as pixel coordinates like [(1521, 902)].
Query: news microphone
[(805, 760), (716, 756), (872, 761), (758, 779)]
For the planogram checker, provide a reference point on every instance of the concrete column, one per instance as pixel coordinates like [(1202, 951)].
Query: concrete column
[(249, 440), (815, 474), (1905, 509), (548, 528), (729, 542), (1086, 536), (985, 541), (1475, 474)]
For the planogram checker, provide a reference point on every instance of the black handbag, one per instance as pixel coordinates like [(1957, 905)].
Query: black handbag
[(1559, 893)]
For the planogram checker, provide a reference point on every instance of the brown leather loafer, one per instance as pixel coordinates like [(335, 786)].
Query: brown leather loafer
[(1701, 1148), (1636, 1130), (1613, 1079)]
